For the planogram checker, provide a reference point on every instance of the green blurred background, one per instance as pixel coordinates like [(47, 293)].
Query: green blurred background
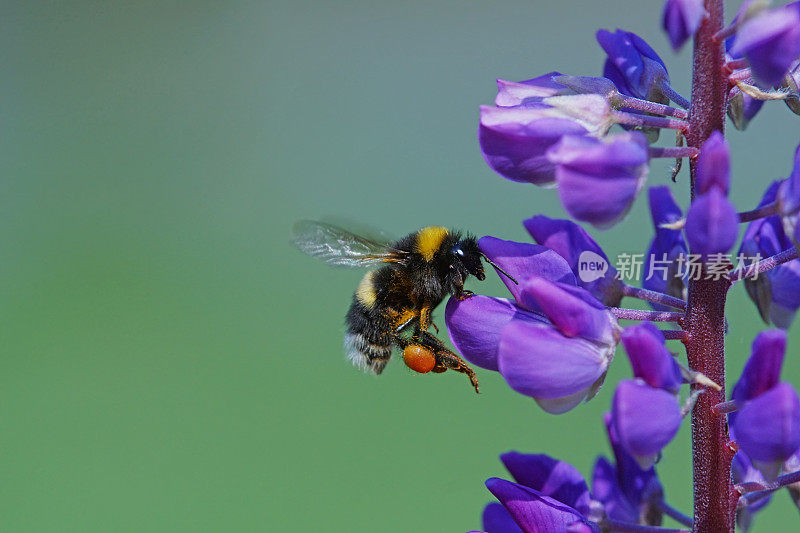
[(170, 363)]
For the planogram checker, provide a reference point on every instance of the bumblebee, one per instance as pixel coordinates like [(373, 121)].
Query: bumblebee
[(412, 277)]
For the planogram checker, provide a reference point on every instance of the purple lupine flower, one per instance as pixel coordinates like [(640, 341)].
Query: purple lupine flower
[(712, 221), (633, 66), (714, 165), (767, 424), (588, 170), (771, 42), (645, 411), (743, 107), (535, 512), (680, 20), (743, 471), (548, 495), (711, 224), (668, 251), (789, 201), (514, 141), (776, 292), (627, 492), (592, 268), (791, 83), (553, 342), (520, 93)]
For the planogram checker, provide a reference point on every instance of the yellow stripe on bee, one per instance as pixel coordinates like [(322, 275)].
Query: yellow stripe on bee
[(429, 240), (366, 290)]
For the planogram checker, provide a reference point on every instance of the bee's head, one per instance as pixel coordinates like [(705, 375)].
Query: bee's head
[(467, 258)]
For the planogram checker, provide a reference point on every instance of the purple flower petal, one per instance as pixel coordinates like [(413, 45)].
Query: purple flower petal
[(714, 165), (475, 324), (599, 179), (497, 520), (578, 248), (572, 310), (785, 284), (524, 260), (763, 369), (743, 107), (649, 357), (556, 479), (538, 361), (770, 42), (533, 512), (680, 20), (712, 224), (789, 199), (515, 93), (514, 141), (768, 427), (632, 65), (606, 490), (645, 419), (662, 272)]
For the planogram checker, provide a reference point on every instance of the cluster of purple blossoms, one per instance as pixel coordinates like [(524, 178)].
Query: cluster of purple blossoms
[(555, 337)]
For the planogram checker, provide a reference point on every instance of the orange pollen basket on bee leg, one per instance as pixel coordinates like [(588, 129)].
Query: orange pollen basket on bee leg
[(419, 359)]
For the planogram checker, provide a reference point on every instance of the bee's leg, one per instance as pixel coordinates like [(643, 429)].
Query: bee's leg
[(445, 359), (425, 318), (464, 294)]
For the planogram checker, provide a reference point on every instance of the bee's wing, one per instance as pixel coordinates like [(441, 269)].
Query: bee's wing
[(339, 247)]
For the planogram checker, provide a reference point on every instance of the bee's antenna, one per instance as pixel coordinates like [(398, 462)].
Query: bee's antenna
[(503, 272)]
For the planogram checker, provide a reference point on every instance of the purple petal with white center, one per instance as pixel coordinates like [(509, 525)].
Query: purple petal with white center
[(533, 511), (571, 309), (649, 357), (522, 260), (515, 93), (576, 246), (770, 42), (599, 179), (606, 490), (475, 323), (556, 479), (645, 419), (712, 224), (680, 20), (497, 520), (763, 369), (768, 427), (514, 140), (714, 165), (538, 361)]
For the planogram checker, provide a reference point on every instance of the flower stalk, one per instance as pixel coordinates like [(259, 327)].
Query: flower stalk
[(705, 318)]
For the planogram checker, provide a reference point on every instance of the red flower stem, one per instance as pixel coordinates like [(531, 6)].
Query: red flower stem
[(736, 64), (646, 106), (705, 316), (759, 212), (726, 407), (653, 296), (779, 482), (675, 334), (670, 93), (638, 314), (675, 152), (740, 75), (632, 119), (754, 269)]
